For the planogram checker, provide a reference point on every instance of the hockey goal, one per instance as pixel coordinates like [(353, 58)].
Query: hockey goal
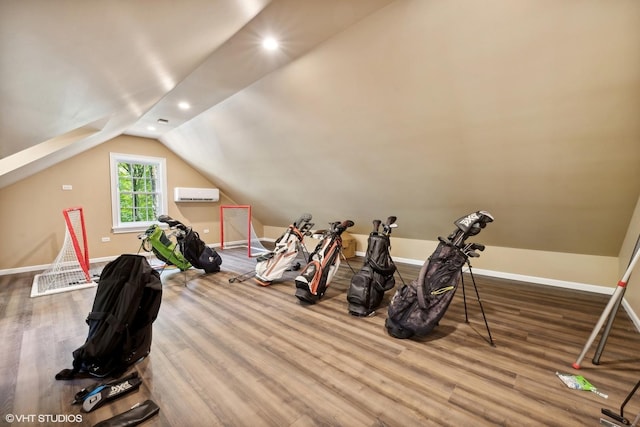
[(236, 230), (70, 270)]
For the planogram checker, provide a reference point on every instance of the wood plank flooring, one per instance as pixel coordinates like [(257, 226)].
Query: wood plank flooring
[(239, 354)]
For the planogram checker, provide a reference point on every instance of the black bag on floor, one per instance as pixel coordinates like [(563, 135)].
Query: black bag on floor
[(417, 307), (126, 304), (368, 285)]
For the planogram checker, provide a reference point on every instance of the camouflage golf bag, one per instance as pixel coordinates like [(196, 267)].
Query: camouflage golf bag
[(417, 307)]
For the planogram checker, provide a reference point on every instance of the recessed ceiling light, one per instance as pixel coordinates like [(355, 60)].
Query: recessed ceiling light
[(270, 43), (151, 128), (184, 105)]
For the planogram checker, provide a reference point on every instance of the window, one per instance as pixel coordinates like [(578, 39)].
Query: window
[(138, 191)]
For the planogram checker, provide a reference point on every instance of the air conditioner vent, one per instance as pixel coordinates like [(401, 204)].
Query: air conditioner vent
[(184, 194)]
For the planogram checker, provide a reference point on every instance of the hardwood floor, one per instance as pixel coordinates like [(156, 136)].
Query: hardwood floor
[(239, 354)]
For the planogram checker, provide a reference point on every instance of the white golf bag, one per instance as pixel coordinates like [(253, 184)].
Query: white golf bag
[(271, 266)]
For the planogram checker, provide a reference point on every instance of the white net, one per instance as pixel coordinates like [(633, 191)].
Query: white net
[(236, 230), (70, 270)]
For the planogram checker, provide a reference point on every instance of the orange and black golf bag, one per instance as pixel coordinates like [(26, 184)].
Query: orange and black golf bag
[(324, 261)]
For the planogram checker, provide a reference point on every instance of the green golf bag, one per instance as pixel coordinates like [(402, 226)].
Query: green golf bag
[(164, 248)]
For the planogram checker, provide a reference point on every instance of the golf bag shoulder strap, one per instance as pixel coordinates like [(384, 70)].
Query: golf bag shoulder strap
[(107, 317), (378, 256), (420, 284)]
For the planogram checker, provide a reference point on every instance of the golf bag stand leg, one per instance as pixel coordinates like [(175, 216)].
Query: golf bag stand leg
[(464, 297), (242, 277), (142, 247), (613, 302)]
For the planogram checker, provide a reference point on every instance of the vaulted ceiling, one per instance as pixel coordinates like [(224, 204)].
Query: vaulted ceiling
[(422, 109)]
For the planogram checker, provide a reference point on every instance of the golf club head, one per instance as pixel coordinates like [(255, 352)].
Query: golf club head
[(164, 218), (305, 217), (376, 225), (170, 221), (477, 247), (472, 223), (388, 228), (348, 223), (339, 227), (303, 223), (391, 220)]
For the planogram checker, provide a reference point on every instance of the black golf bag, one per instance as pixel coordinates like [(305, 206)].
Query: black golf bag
[(271, 266), (376, 275), (324, 261), (193, 248), (417, 307), (126, 304)]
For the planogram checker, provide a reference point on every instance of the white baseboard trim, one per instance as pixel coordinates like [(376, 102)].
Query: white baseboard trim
[(540, 281), (479, 272)]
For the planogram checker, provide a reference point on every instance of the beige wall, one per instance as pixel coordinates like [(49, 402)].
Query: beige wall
[(632, 294), (581, 269), (31, 209), (550, 267)]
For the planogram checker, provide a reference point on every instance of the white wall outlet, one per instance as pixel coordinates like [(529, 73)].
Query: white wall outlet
[(67, 187), (106, 239), (206, 230)]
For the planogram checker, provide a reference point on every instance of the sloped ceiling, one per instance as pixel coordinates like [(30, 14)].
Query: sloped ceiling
[(426, 110)]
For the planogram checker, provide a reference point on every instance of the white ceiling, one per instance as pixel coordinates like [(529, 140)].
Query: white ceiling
[(422, 109)]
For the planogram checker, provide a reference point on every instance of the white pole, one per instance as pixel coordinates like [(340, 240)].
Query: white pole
[(617, 294)]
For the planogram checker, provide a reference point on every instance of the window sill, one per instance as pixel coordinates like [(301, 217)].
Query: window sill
[(130, 229)]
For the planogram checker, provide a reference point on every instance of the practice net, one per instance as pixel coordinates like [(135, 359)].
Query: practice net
[(70, 270), (236, 230)]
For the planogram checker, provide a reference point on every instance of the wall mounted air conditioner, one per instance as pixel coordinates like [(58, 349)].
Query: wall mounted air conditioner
[(184, 194)]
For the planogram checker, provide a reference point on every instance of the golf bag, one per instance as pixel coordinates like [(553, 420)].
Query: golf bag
[(417, 307), (271, 266), (155, 240), (196, 252), (324, 261), (126, 304), (376, 275)]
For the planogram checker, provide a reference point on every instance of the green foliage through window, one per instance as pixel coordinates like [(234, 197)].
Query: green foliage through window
[(138, 190)]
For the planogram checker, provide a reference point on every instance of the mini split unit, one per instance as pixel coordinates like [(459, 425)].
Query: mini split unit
[(183, 194)]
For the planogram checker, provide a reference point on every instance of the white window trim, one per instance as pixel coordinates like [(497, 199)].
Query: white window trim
[(114, 159)]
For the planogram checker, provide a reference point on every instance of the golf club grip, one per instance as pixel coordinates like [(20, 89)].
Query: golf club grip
[(376, 224)]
